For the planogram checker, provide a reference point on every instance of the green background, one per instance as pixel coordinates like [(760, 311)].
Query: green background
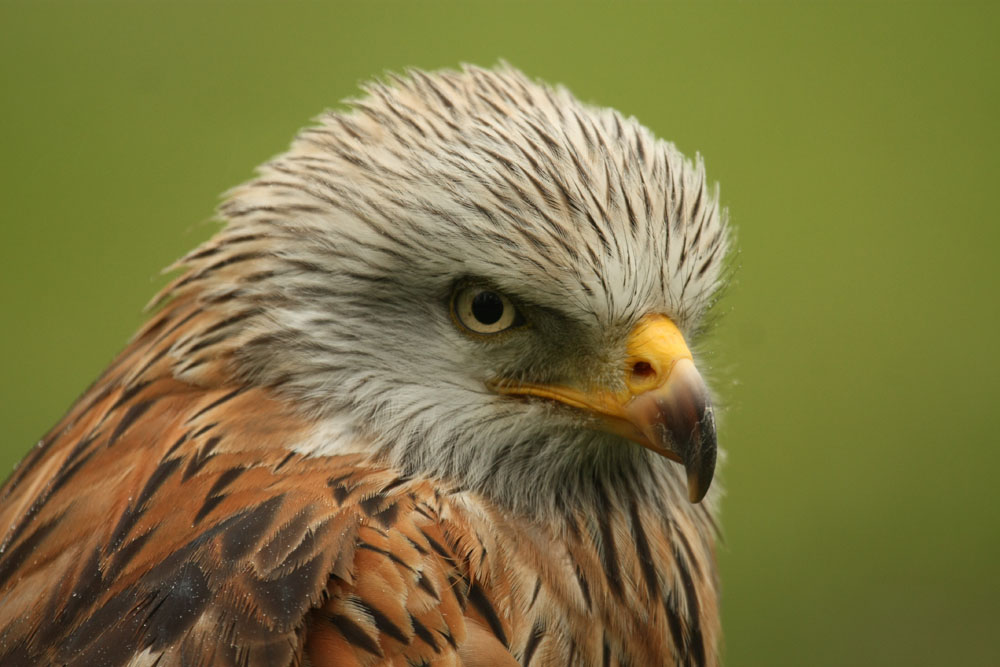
[(857, 148)]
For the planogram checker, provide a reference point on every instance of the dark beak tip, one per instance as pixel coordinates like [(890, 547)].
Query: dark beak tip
[(699, 462), (695, 495), (698, 484)]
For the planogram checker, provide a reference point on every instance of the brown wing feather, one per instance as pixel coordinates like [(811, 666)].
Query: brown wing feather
[(169, 521), (416, 595), (122, 542)]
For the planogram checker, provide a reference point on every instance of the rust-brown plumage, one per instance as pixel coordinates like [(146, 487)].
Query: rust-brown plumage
[(176, 517)]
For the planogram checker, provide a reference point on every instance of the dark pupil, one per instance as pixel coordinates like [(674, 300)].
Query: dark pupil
[(487, 307)]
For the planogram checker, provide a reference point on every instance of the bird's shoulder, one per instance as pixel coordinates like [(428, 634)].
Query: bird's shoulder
[(176, 524)]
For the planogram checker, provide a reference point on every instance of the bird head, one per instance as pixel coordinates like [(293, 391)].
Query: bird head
[(476, 276)]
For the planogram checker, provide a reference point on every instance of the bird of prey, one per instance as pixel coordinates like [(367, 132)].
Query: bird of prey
[(427, 398)]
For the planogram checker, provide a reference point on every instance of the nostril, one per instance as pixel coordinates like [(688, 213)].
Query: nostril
[(642, 370)]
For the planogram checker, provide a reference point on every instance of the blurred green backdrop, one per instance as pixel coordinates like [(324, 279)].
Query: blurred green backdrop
[(857, 147)]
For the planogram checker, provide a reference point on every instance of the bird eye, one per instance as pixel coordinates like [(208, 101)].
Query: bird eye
[(484, 311)]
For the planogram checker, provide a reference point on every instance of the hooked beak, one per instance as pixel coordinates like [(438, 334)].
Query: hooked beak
[(664, 407)]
